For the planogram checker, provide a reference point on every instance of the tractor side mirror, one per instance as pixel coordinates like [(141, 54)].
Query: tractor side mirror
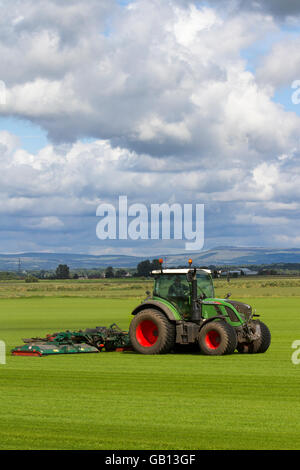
[(189, 276), (148, 294), (228, 295)]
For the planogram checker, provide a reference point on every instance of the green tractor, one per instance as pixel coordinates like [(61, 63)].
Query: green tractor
[(183, 310)]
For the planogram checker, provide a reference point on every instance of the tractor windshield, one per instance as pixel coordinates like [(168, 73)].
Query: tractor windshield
[(205, 285), (174, 288), (169, 286)]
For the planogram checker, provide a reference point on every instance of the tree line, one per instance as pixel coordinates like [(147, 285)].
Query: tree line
[(63, 271)]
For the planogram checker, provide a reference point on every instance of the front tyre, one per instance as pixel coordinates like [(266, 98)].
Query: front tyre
[(259, 345), (152, 333), (217, 338)]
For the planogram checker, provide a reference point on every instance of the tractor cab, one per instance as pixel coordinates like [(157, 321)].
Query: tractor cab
[(175, 286)]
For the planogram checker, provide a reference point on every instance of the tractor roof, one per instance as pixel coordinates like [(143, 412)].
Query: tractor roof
[(179, 271)]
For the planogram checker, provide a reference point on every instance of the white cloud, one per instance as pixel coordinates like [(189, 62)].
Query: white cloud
[(280, 67), (44, 223), (287, 240), (8, 142), (164, 80), (164, 90), (82, 174), (188, 23), (265, 179)]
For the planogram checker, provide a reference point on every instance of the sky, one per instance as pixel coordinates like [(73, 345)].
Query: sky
[(162, 101)]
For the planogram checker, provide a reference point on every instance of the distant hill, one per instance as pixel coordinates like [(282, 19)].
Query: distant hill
[(223, 255), (228, 255), (50, 261)]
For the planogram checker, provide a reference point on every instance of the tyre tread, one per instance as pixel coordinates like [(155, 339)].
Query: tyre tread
[(169, 329), (229, 339)]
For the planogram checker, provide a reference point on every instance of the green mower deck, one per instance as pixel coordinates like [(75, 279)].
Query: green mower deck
[(75, 342), (44, 349)]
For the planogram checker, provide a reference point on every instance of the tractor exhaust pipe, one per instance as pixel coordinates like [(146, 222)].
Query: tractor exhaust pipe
[(196, 309)]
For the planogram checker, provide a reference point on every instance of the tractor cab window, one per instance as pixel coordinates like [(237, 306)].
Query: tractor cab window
[(205, 285), (174, 288)]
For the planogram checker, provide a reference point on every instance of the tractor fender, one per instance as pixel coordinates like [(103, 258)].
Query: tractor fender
[(158, 306), (209, 320)]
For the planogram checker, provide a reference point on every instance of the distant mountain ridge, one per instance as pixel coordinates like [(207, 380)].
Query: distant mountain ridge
[(222, 255), (50, 261), (229, 255)]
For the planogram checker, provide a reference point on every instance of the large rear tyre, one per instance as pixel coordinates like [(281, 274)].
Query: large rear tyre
[(259, 345), (217, 338), (152, 333)]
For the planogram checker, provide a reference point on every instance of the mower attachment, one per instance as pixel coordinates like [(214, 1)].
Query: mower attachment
[(75, 342)]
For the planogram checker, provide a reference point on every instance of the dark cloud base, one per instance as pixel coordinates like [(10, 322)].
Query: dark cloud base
[(278, 8)]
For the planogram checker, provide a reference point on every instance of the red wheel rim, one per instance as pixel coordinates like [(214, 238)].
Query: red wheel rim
[(147, 333), (213, 339)]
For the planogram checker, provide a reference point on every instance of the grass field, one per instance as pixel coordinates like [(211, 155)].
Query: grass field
[(130, 401), (136, 288)]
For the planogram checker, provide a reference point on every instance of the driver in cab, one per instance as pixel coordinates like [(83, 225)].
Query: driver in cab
[(178, 289)]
